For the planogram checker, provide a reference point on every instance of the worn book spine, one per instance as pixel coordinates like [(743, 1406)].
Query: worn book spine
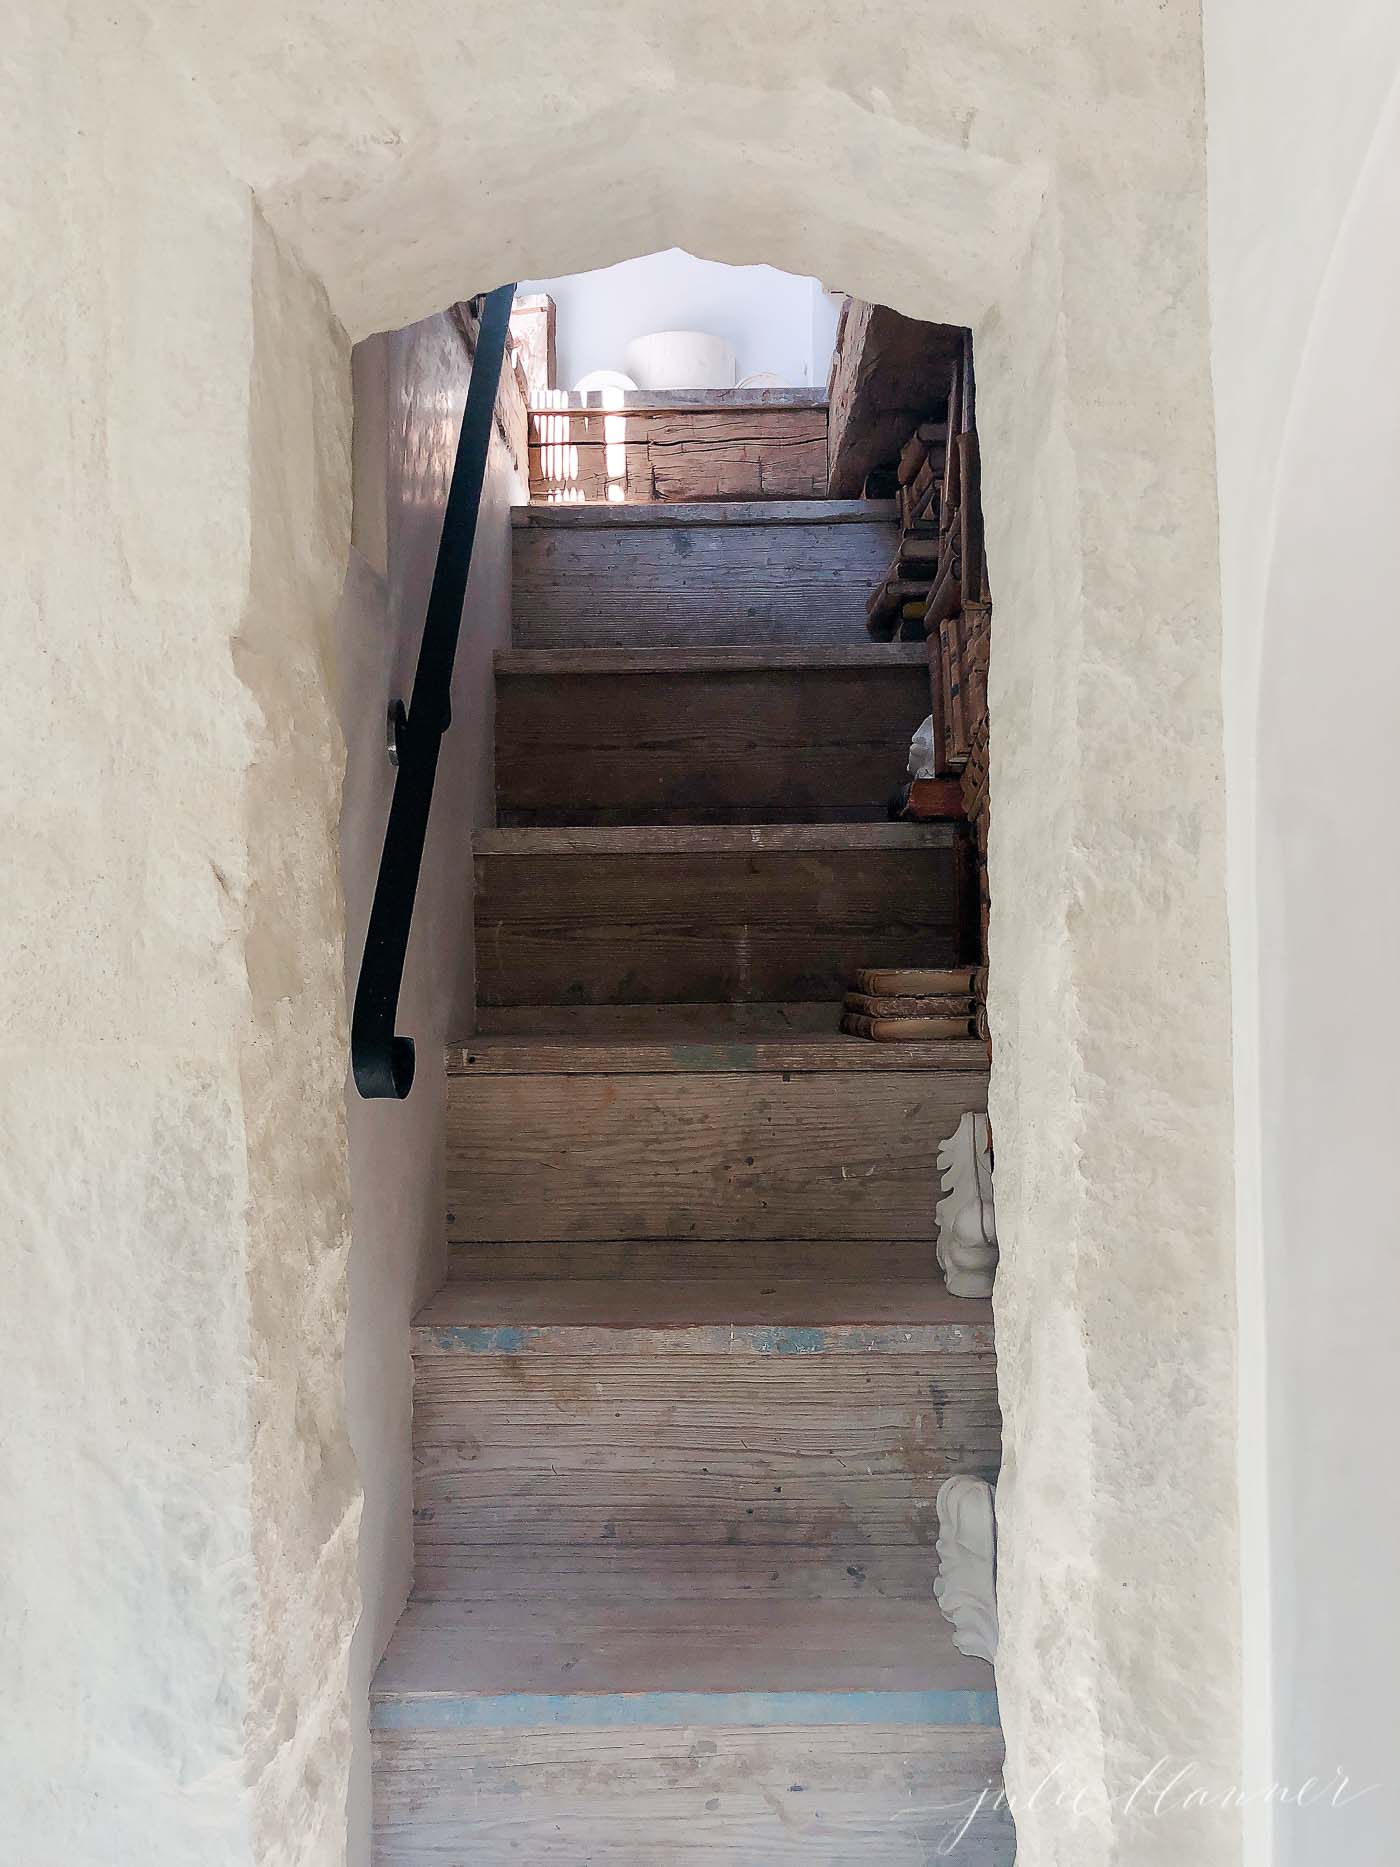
[(921, 981), (906, 1030), (868, 1005)]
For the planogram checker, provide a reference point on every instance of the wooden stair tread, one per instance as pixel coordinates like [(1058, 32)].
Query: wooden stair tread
[(660, 914), (631, 401), (804, 1052), (709, 1155), (750, 512), (859, 656), (712, 839), (883, 1786), (671, 1572), (737, 1314), (736, 736), (692, 1260), (459, 1651), (717, 574), (665, 1022)]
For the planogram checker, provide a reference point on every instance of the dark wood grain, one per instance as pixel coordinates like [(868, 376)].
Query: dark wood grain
[(802, 1053), (786, 924), (704, 745), (653, 586), (767, 513), (678, 455)]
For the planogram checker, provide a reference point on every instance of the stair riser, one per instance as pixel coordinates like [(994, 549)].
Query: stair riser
[(789, 746), (713, 1156), (769, 925), (675, 1572), (642, 455), (680, 1455), (719, 1261), (714, 1796), (696, 585)]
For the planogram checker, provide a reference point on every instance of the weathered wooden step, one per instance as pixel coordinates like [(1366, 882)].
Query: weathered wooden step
[(637, 1141), (459, 1654), (712, 913), (714, 574), (689, 1260), (802, 1053), (742, 1316), (703, 1439), (688, 1420), (715, 1732), (704, 1794), (657, 447), (671, 1022), (704, 735)]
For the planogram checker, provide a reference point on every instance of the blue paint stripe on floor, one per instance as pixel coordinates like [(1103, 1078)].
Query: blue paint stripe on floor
[(605, 1710), (486, 1339)]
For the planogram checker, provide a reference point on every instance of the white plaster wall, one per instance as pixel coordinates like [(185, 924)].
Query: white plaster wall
[(410, 387), (1305, 155), (178, 1585), (1034, 169), (774, 321)]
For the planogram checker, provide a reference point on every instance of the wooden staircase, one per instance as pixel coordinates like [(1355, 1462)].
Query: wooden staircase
[(683, 1406)]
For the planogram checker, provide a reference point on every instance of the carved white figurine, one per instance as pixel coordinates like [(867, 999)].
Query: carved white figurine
[(966, 1588), (966, 1215), (921, 754)]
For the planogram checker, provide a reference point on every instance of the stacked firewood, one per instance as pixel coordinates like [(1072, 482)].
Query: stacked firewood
[(939, 567), (897, 605), (907, 1004), (936, 591)]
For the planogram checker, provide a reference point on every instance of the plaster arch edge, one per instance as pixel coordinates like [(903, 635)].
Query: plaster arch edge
[(600, 212), (1038, 422)]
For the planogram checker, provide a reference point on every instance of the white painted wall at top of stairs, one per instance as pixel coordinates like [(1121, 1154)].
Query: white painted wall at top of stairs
[(774, 320)]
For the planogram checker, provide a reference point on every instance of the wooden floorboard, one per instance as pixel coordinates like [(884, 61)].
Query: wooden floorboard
[(671, 1572), (804, 1053), (634, 1448), (875, 1794), (715, 839), (665, 1023), (704, 1155), (603, 400), (571, 917), (673, 456), (819, 745), (704, 1317), (691, 1259), (464, 1649), (858, 657), (762, 513), (694, 582)]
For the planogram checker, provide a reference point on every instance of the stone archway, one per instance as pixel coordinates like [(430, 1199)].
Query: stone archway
[(244, 195)]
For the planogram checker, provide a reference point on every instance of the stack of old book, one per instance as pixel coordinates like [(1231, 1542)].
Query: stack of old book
[(902, 1004)]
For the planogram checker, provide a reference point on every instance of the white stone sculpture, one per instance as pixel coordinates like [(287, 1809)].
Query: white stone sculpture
[(966, 1215), (966, 1588), (921, 752)]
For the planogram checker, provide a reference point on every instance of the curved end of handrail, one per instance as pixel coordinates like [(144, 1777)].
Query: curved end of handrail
[(383, 1068)]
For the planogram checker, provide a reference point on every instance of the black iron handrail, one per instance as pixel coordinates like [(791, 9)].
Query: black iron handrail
[(382, 1061)]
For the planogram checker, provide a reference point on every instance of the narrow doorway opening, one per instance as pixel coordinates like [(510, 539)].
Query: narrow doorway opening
[(704, 1419)]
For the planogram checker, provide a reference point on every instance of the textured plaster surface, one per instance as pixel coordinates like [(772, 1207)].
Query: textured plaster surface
[(1034, 168), (179, 1564), (1305, 152), (409, 391)]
